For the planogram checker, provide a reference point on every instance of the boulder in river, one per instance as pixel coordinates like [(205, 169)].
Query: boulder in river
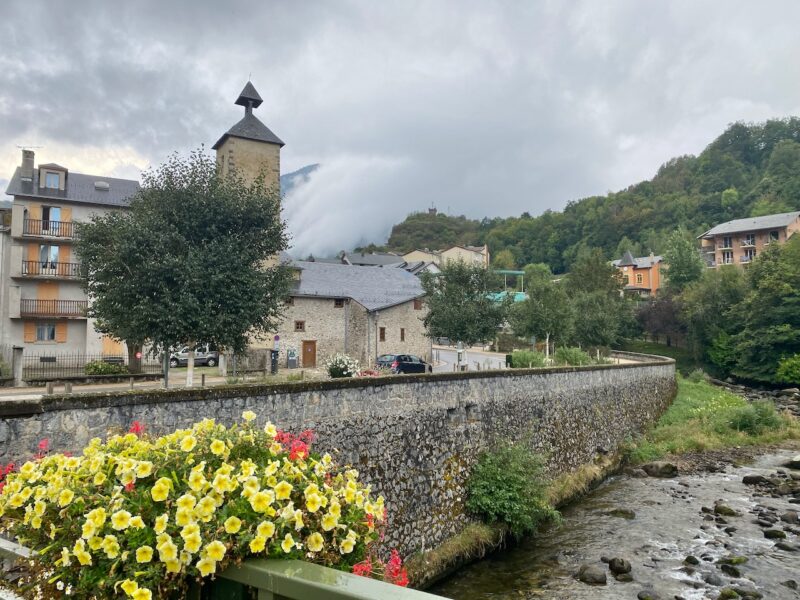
[(754, 480), (725, 510), (592, 575), (794, 463), (661, 468), (730, 570), (774, 534), (691, 560), (790, 516), (622, 513), (647, 595), (787, 546), (619, 565)]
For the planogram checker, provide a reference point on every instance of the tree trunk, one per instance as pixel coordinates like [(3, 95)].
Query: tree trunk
[(547, 347), (190, 367), (134, 361)]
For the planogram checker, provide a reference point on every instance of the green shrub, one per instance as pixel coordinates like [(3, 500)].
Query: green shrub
[(101, 367), (789, 370), (571, 356), (507, 486), (525, 359), (754, 419), (697, 376)]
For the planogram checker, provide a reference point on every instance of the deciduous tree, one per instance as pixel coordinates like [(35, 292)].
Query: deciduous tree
[(189, 261)]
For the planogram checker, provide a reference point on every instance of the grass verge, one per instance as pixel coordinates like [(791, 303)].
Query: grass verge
[(705, 417)]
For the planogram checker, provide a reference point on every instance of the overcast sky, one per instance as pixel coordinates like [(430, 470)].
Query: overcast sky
[(477, 107)]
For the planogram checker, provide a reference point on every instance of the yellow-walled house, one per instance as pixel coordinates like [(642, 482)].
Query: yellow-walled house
[(738, 242), (641, 276)]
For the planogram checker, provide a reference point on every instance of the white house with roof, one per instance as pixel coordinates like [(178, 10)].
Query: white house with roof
[(359, 311)]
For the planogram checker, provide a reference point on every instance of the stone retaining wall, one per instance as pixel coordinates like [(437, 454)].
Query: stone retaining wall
[(414, 438)]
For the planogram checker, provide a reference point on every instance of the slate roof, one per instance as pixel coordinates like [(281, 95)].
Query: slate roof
[(643, 262), (79, 188), (374, 259), (753, 224), (250, 128), (374, 289), (249, 95)]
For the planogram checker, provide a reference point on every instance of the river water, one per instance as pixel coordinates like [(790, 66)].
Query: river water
[(665, 526)]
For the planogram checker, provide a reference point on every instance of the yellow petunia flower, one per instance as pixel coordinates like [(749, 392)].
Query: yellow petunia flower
[(65, 497), (288, 543), (313, 502), (248, 415), (266, 529), (121, 520), (137, 522), (188, 443), (144, 554), (129, 586), (206, 566), (192, 543), (142, 594), (196, 481), (283, 490), (315, 542), (161, 523), (347, 545), (329, 521), (100, 478), (233, 525), (257, 544), (173, 565), (215, 550), (217, 447), (160, 491), (270, 429), (144, 469), (186, 501)]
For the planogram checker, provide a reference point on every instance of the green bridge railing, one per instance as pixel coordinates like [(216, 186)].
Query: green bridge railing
[(274, 579)]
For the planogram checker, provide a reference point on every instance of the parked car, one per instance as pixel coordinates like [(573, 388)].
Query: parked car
[(408, 363), (204, 354), (385, 360)]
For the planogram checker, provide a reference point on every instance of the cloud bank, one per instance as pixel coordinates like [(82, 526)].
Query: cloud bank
[(479, 108)]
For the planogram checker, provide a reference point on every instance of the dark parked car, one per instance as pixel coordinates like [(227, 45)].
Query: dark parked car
[(204, 354), (404, 363)]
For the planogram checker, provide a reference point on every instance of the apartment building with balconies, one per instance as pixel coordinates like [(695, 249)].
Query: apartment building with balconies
[(738, 242), (42, 300)]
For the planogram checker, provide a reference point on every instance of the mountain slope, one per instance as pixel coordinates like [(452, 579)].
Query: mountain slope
[(749, 170)]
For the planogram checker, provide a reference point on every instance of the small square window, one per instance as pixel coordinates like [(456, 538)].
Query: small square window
[(52, 181), (418, 304), (639, 278), (45, 332), (338, 303), (402, 335), (382, 334), (299, 325)]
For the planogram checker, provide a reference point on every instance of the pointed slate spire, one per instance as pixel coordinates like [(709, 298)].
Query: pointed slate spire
[(627, 260), (249, 97)]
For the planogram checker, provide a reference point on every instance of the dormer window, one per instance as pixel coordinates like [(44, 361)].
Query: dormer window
[(52, 181)]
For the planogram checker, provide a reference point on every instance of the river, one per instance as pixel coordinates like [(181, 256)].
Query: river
[(655, 524)]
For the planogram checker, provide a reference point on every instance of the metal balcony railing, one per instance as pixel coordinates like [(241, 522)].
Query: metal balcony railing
[(53, 269), (56, 229), (52, 308)]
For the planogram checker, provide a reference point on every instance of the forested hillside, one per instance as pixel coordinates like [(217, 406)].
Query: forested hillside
[(749, 170)]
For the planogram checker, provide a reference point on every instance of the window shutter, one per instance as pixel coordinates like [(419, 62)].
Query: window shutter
[(34, 212), (66, 214), (63, 256), (29, 336), (61, 332), (33, 252)]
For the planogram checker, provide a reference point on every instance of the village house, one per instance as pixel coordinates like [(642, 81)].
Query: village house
[(471, 255), (359, 311), (641, 276), (738, 242), (42, 301)]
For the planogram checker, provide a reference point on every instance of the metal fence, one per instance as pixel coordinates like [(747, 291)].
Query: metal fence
[(51, 366), (57, 229), (51, 268), (29, 307)]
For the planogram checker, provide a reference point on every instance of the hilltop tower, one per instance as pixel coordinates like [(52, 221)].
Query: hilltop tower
[(249, 147)]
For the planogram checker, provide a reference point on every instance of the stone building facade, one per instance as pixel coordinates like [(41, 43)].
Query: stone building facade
[(359, 311)]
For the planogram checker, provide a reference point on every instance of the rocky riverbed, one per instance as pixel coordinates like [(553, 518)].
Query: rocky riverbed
[(713, 530)]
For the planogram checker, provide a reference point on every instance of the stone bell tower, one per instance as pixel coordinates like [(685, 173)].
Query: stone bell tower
[(249, 147)]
